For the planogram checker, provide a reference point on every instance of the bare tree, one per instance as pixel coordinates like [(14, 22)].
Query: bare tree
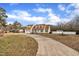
[(60, 25)]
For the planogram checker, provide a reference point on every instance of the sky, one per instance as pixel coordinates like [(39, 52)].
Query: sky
[(40, 13)]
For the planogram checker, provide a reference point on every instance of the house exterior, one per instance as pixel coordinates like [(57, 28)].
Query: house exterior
[(39, 28), (28, 29)]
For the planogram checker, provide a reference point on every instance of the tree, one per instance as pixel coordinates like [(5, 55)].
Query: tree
[(74, 23), (3, 16), (60, 25), (17, 25)]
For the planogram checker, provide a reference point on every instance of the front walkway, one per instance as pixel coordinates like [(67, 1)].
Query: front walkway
[(50, 47)]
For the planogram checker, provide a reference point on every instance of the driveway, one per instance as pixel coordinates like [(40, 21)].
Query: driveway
[(50, 47)]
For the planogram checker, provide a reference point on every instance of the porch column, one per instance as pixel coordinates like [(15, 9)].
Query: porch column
[(49, 29), (44, 30)]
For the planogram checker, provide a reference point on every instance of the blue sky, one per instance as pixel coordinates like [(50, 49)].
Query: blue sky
[(40, 13)]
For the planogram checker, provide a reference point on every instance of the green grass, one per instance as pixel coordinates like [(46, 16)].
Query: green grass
[(18, 45), (69, 40)]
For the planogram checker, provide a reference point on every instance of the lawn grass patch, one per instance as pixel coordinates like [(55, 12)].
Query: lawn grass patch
[(18, 45)]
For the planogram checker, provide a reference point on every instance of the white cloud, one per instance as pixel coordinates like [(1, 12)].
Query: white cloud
[(33, 18), (9, 22), (21, 13), (65, 20), (68, 11), (43, 10), (75, 11), (76, 5), (53, 17), (24, 15), (11, 16), (71, 12), (61, 7), (18, 14), (70, 5)]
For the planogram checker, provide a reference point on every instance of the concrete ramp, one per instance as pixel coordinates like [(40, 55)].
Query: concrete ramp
[(50, 47)]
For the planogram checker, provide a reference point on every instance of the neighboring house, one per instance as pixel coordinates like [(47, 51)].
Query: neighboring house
[(39, 28), (21, 31), (13, 27), (18, 24), (2, 28)]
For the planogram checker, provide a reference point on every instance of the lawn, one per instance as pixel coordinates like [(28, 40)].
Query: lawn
[(69, 40), (18, 45)]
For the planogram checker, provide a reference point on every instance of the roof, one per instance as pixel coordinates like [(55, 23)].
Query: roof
[(28, 27), (37, 27), (40, 27)]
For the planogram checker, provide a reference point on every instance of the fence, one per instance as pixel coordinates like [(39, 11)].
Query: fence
[(64, 32)]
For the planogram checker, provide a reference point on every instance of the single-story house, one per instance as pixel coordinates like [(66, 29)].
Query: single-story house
[(39, 28)]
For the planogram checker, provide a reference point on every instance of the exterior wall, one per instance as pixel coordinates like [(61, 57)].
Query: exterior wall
[(21, 31), (28, 31), (44, 30)]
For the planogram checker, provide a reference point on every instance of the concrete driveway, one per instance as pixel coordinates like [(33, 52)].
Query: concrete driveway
[(50, 47)]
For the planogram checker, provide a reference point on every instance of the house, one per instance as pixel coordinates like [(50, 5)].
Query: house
[(41, 28), (38, 28), (28, 29)]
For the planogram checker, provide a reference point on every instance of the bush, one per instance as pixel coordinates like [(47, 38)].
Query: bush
[(77, 32), (14, 31)]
